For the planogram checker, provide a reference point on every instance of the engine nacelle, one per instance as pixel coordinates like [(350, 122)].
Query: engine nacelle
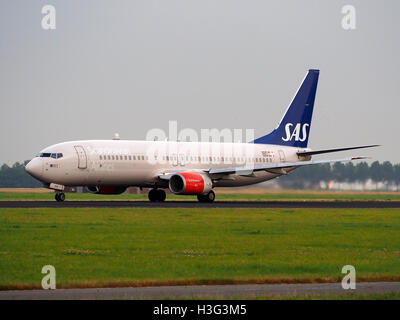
[(190, 183), (106, 189)]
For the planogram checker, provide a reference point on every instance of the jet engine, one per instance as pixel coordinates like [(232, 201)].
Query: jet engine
[(190, 183)]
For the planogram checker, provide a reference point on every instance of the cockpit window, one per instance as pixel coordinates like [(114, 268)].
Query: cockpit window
[(45, 155), (52, 155)]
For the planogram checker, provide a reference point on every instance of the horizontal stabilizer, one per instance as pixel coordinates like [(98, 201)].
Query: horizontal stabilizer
[(310, 153)]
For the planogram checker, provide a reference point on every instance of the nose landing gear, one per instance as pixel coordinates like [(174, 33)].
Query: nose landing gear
[(60, 197), (157, 195)]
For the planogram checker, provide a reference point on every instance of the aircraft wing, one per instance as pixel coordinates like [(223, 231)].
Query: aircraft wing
[(276, 168)]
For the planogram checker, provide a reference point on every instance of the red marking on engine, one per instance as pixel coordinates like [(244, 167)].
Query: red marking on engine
[(194, 183)]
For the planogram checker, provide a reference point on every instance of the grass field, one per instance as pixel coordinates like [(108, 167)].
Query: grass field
[(221, 195), (120, 247)]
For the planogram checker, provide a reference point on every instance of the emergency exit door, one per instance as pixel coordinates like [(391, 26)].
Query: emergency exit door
[(281, 156)]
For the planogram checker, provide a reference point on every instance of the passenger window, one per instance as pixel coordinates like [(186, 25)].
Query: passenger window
[(126, 157), (100, 157), (130, 158), (112, 157)]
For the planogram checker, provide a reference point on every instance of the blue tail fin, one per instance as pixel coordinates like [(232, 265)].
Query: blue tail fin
[(294, 128)]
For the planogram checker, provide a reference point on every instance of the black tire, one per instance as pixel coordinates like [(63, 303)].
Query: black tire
[(60, 197), (153, 195), (209, 197), (161, 195), (56, 197)]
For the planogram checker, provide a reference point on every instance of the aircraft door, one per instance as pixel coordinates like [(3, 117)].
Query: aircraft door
[(281, 156), (82, 158)]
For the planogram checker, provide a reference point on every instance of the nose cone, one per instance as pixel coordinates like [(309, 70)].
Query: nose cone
[(34, 168)]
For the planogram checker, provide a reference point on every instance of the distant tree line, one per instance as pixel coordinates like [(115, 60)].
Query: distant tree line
[(16, 177), (308, 177)]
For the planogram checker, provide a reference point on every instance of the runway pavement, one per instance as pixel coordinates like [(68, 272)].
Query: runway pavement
[(195, 204), (205, 291)]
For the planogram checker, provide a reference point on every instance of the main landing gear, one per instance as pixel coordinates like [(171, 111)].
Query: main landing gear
[(209, 197), (157, 195), (60, 197)]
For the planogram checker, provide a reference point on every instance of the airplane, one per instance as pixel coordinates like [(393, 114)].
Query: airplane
[(185, 168)]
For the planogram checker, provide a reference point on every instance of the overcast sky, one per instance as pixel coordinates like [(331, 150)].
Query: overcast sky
[(130, 66)]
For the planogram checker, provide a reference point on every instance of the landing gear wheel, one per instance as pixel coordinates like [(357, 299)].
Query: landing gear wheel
[(153, 195), (209, 197), (157, 195), (60, 197), (161, 195)]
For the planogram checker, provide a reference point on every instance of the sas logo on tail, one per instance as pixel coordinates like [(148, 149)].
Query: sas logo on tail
[(296, 132)]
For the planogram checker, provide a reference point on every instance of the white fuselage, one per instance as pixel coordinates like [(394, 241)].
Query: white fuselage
[(139, 163)]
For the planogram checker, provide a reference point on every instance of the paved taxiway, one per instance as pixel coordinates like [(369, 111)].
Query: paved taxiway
[(207, 291), (195, 204)]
